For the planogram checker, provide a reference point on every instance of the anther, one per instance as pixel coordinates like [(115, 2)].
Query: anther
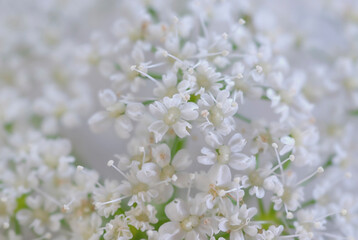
[(192, 176), (80, 168), (175, 19), (319, 170), (259, 69), (348, 175), (224, 35), (5, 225), (174, 178), (242, 21), (110, 163), (133, 67), (221, 193), (165, 53), (289, 215), (225, 53)]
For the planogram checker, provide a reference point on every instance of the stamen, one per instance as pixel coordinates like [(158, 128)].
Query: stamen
[(334, 236), (110, 163), (240, 55), (224, 53), (81, 169), (295, 236), (289, 215), (275, 146), (166, 182), (319, 170), (237, 180), (175, 21), (48, 197), (342, 212), (142, 150), (290, 158), (155, 65), (192, 177), (205, 30), (166, 54), (134, 68), (111, 201)]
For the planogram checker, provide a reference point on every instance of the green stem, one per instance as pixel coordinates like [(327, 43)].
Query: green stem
[(155, 75), (261, 206), (243, 118), (308, 203), (178, 144)]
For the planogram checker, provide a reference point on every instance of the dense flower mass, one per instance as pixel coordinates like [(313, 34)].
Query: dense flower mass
[(239, 118)]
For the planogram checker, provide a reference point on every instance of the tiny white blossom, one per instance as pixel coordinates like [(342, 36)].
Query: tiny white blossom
[(172, 113)]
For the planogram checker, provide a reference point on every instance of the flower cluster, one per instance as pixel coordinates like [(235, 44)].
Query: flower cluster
[(238, 123)]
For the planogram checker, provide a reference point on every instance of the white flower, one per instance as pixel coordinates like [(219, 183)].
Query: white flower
[(255, 179), (170, 86), (242, 83), (172, 170), (116, 111), (307, 224), (7, 207), (140, 188), (217, 113), (172, 113), (118, 229), (291, 197), (272, 233), (142, 216), (217, 184), (236, 220), (87, 228), (126, 78), (226, 154), (206, 78), (42, 215), (103, 195), (289, 144), (187, 221)]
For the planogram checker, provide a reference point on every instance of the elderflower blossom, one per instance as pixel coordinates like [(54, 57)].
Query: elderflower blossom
[(231, 120)]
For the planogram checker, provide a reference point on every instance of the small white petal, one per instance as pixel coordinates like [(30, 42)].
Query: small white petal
[(188, 111), (135, 111), (99, 122), (107, 97), (180, 128), (157, 109), (176, 210), (181, 160), (209, 158), (159, 129), (237, 143), (161, 154), (123, 126)]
